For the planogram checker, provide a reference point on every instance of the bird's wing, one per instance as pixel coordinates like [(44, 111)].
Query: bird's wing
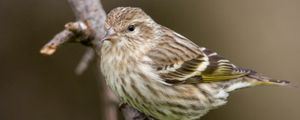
[(179, 60)]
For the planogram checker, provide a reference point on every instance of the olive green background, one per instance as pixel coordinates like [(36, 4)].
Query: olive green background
[(260, 34)]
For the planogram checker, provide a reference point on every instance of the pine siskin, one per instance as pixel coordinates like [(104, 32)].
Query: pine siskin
[(163, 74)]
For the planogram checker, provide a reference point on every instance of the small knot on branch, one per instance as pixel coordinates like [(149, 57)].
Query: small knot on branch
[(76, 27)]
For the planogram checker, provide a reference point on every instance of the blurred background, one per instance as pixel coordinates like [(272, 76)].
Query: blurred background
[(260, 34)]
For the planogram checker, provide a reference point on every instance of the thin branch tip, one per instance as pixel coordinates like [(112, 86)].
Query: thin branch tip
[(64, 36), (48, 50), (59, 39)]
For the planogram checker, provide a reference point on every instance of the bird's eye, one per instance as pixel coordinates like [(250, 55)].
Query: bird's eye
[(131, 28)]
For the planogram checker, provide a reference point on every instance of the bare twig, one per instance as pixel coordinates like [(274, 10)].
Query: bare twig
[(58, 39), (72, 30), (85, 60), (88, 30)]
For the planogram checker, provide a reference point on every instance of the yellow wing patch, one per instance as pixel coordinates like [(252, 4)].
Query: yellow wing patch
[(220, 69)]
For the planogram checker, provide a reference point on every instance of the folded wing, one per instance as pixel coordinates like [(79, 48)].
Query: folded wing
[(179, 60)]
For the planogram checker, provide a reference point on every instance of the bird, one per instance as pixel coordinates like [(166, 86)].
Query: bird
[(163, 74)]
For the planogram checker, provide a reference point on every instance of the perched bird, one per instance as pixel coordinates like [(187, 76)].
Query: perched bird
[(162, 73)]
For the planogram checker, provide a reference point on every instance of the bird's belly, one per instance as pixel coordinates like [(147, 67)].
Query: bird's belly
[(141, 89), (167, 103)]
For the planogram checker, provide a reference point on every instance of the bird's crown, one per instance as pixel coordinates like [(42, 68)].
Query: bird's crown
[(120, 15)]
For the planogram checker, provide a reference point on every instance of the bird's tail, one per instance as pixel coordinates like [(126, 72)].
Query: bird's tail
[(254, 79), (261, 79)]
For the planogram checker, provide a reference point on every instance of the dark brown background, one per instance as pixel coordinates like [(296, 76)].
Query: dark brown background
[(260, 34)]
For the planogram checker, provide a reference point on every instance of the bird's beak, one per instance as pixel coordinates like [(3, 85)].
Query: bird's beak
[(108, 34)]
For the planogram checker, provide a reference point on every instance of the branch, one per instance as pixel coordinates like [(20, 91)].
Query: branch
[(87, 57), (71, 30), (58, 39), (89, 29)]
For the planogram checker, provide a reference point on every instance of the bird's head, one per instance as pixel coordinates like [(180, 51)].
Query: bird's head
[(129, 28)]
